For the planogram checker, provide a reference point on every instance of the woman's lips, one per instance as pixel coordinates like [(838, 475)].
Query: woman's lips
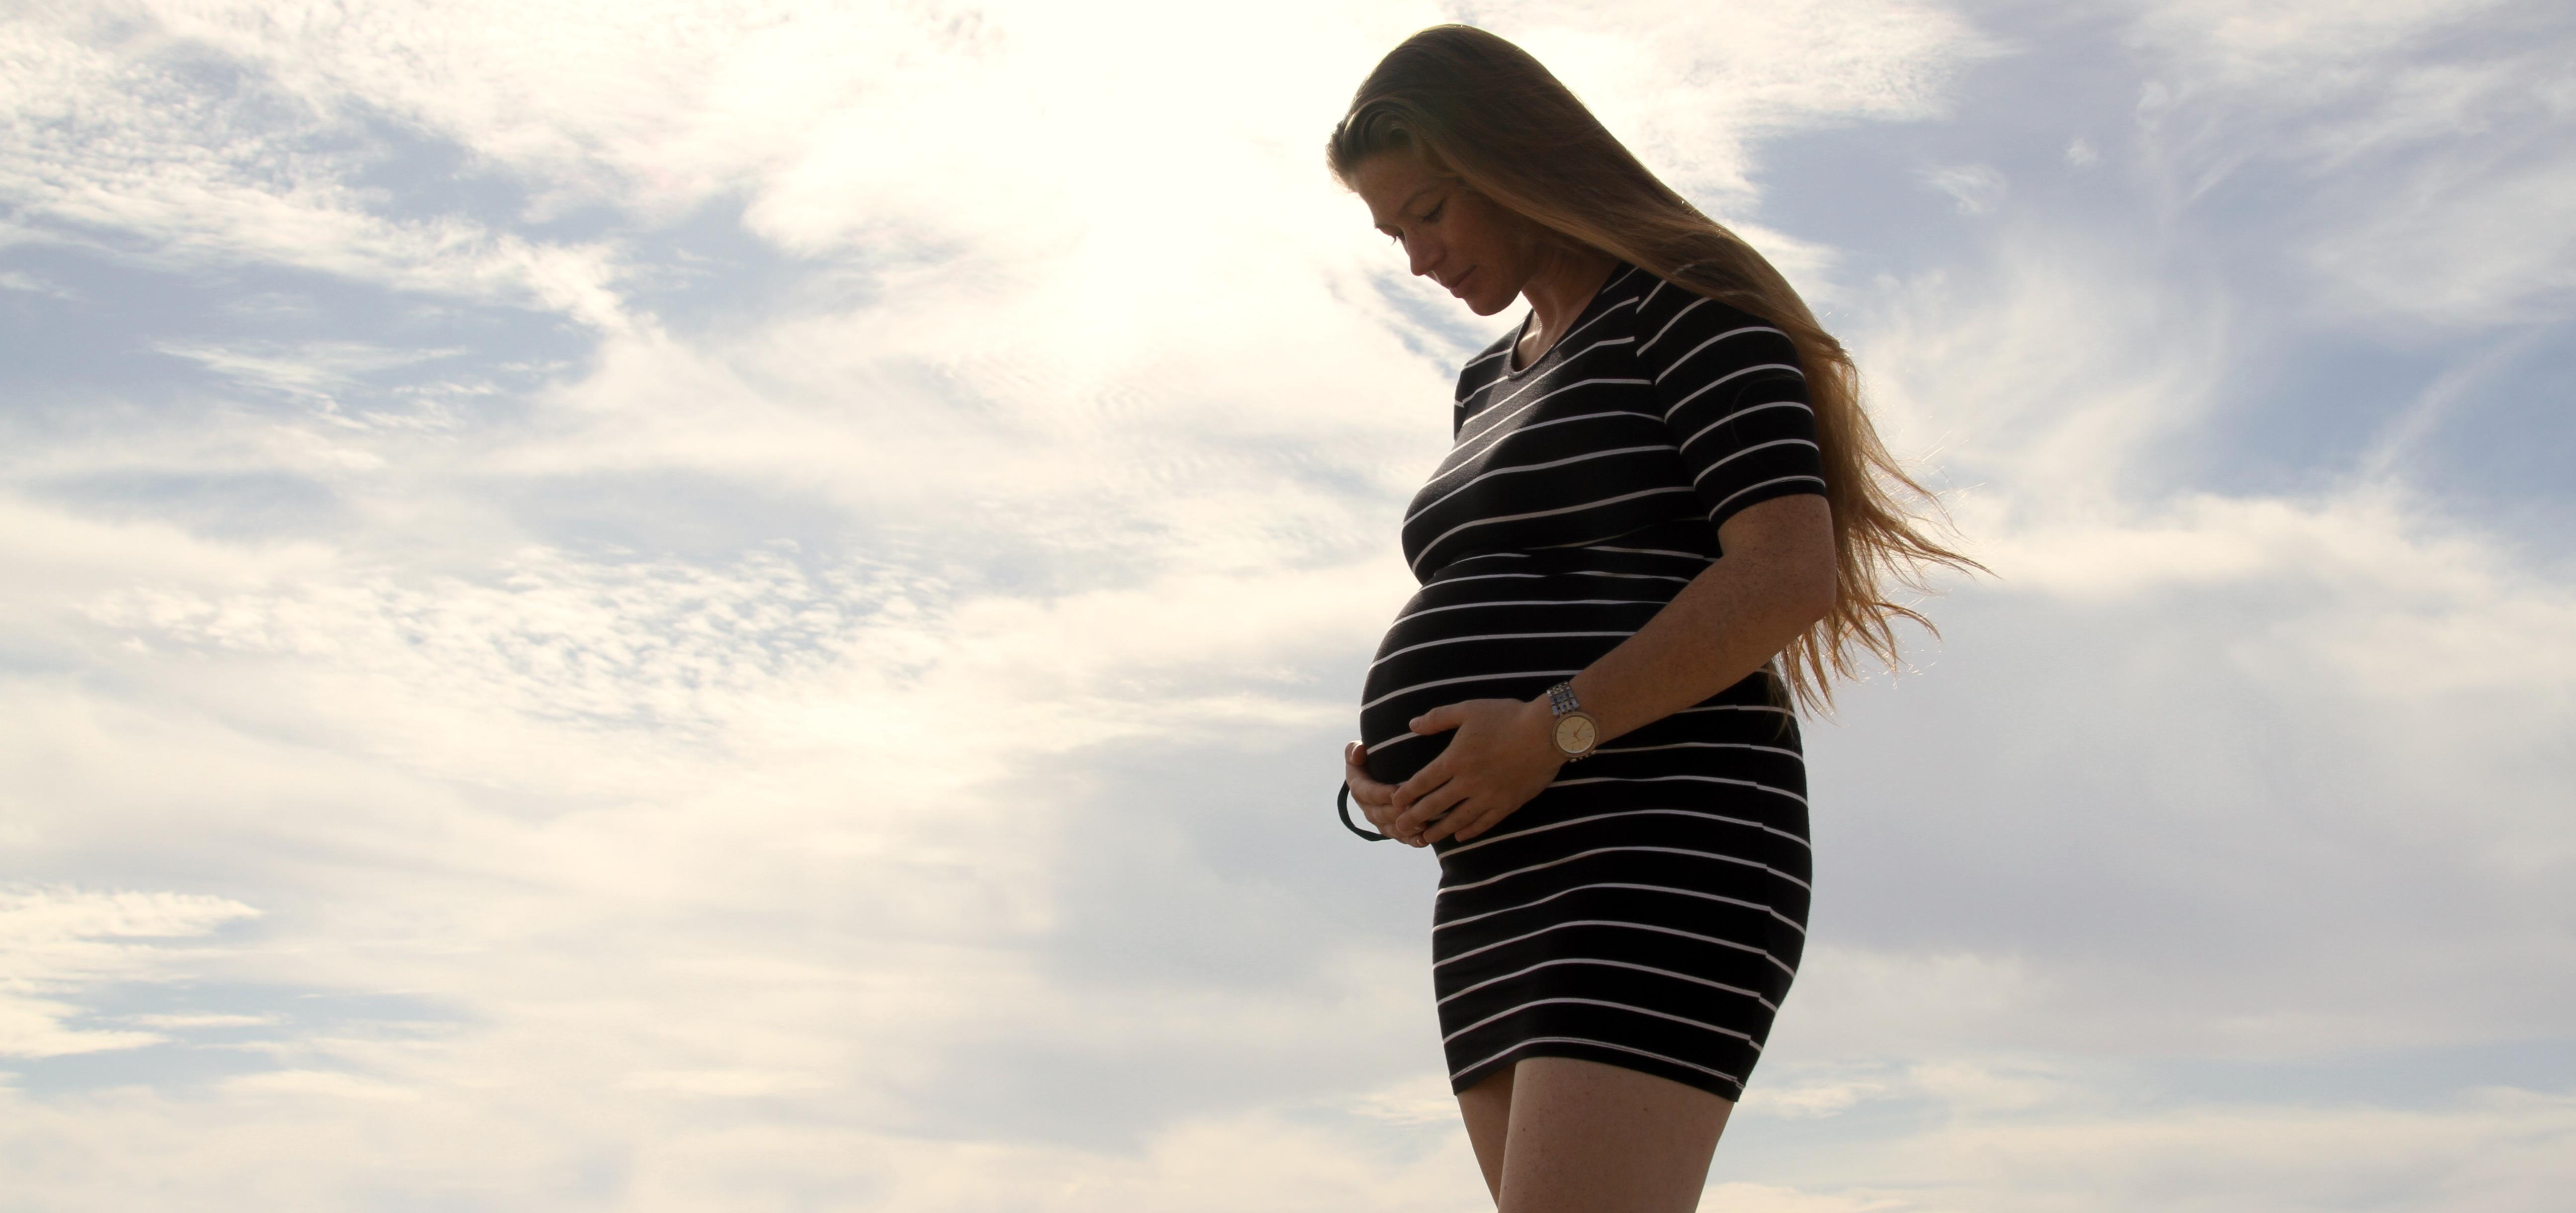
[(1453, 284)]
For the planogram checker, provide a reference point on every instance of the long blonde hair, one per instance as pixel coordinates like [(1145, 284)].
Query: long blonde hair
[(1480, 110)]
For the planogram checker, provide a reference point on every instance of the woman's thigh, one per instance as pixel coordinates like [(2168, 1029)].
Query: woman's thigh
[(1487, 1109), (1583, 1136)]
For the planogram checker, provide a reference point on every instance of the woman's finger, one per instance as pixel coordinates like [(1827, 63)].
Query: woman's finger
[(1487, 814), (1462, 825), (1438, 720), (1446, 824), (1432, 775), (1367, 790), (1409, 795), (1370, 792), (1383, 817), (1431, 806), (1365, 787)]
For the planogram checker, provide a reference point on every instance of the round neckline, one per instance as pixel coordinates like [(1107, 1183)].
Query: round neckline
[(1514, 349), (1522, 329)]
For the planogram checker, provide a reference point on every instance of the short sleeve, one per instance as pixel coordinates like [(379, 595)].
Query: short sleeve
[(1731, 393)]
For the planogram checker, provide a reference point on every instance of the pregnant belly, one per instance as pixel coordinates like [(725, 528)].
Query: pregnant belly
[(1492, 632)]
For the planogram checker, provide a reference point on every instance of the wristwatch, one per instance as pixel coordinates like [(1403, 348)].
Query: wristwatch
[(1576, 733)]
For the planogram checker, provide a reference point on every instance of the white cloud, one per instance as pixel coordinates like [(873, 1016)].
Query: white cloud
[(2433, 134), (2500, 1152), (1687, 86), (2202, 701), (182, 1023), (30, 284), (1974, 188), (56, 943), (123, 137), (2300, 45), (2055, 371), (315, 370), (2465, 240)]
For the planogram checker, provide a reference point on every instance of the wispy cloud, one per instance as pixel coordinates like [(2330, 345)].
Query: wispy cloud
[(58, 943), (1974, 188), (2404, 219)]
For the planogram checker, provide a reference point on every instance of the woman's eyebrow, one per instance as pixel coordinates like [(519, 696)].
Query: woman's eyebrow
[(1407, 205)]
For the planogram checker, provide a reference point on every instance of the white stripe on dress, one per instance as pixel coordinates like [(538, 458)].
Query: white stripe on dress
[(1684, 444), (1491, 839), (1649, 343), (1676, 364), (1618, 884), (1755, 995), (1704, 388), (1577, 508), (1749, 450), (1730, 497), (1442, 682), (1459, 456), (1491, 418), (1487, 636), (1446, 890), (1594, 1002), (1532, 467), (1513, 602), (1745, 783), (1622, 924), (1722, 1075)]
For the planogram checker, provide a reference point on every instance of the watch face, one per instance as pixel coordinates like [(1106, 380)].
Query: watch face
[(1575, 734)]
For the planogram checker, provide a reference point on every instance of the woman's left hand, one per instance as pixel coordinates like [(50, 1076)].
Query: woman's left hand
[(1501, 758)]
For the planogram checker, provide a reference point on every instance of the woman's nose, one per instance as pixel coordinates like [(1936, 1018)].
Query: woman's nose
[(1424, 255)]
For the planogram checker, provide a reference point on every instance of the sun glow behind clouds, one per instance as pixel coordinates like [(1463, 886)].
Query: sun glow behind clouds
[(714, 607)]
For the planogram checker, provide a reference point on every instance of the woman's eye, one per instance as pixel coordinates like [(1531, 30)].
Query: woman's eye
[(1433, 215)]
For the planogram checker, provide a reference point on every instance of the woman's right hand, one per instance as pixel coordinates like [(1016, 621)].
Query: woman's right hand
[(1376, 800)]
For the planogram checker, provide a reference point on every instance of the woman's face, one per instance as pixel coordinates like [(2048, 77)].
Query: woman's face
[(1455, 236)]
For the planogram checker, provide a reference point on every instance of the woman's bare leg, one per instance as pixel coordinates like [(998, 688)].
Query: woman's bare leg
[(1487, 1109), (1584, 1137)]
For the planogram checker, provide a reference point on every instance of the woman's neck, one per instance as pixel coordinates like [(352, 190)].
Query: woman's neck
[(1557, 294)]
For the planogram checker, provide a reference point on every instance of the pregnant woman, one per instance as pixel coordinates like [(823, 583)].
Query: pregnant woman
[(1662, 481)]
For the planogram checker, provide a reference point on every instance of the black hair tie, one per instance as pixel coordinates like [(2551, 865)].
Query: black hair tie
[(1342, 805)]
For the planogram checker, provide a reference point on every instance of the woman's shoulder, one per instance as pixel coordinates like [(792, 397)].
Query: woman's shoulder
[(1660, 300), (1673, 321)]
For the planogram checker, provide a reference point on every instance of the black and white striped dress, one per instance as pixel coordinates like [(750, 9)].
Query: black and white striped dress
[(1648, 908)]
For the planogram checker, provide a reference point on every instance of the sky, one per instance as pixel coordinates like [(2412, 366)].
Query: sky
[(752, 605)]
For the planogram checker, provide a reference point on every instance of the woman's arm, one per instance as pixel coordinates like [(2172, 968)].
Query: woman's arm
[(1776, 579)]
